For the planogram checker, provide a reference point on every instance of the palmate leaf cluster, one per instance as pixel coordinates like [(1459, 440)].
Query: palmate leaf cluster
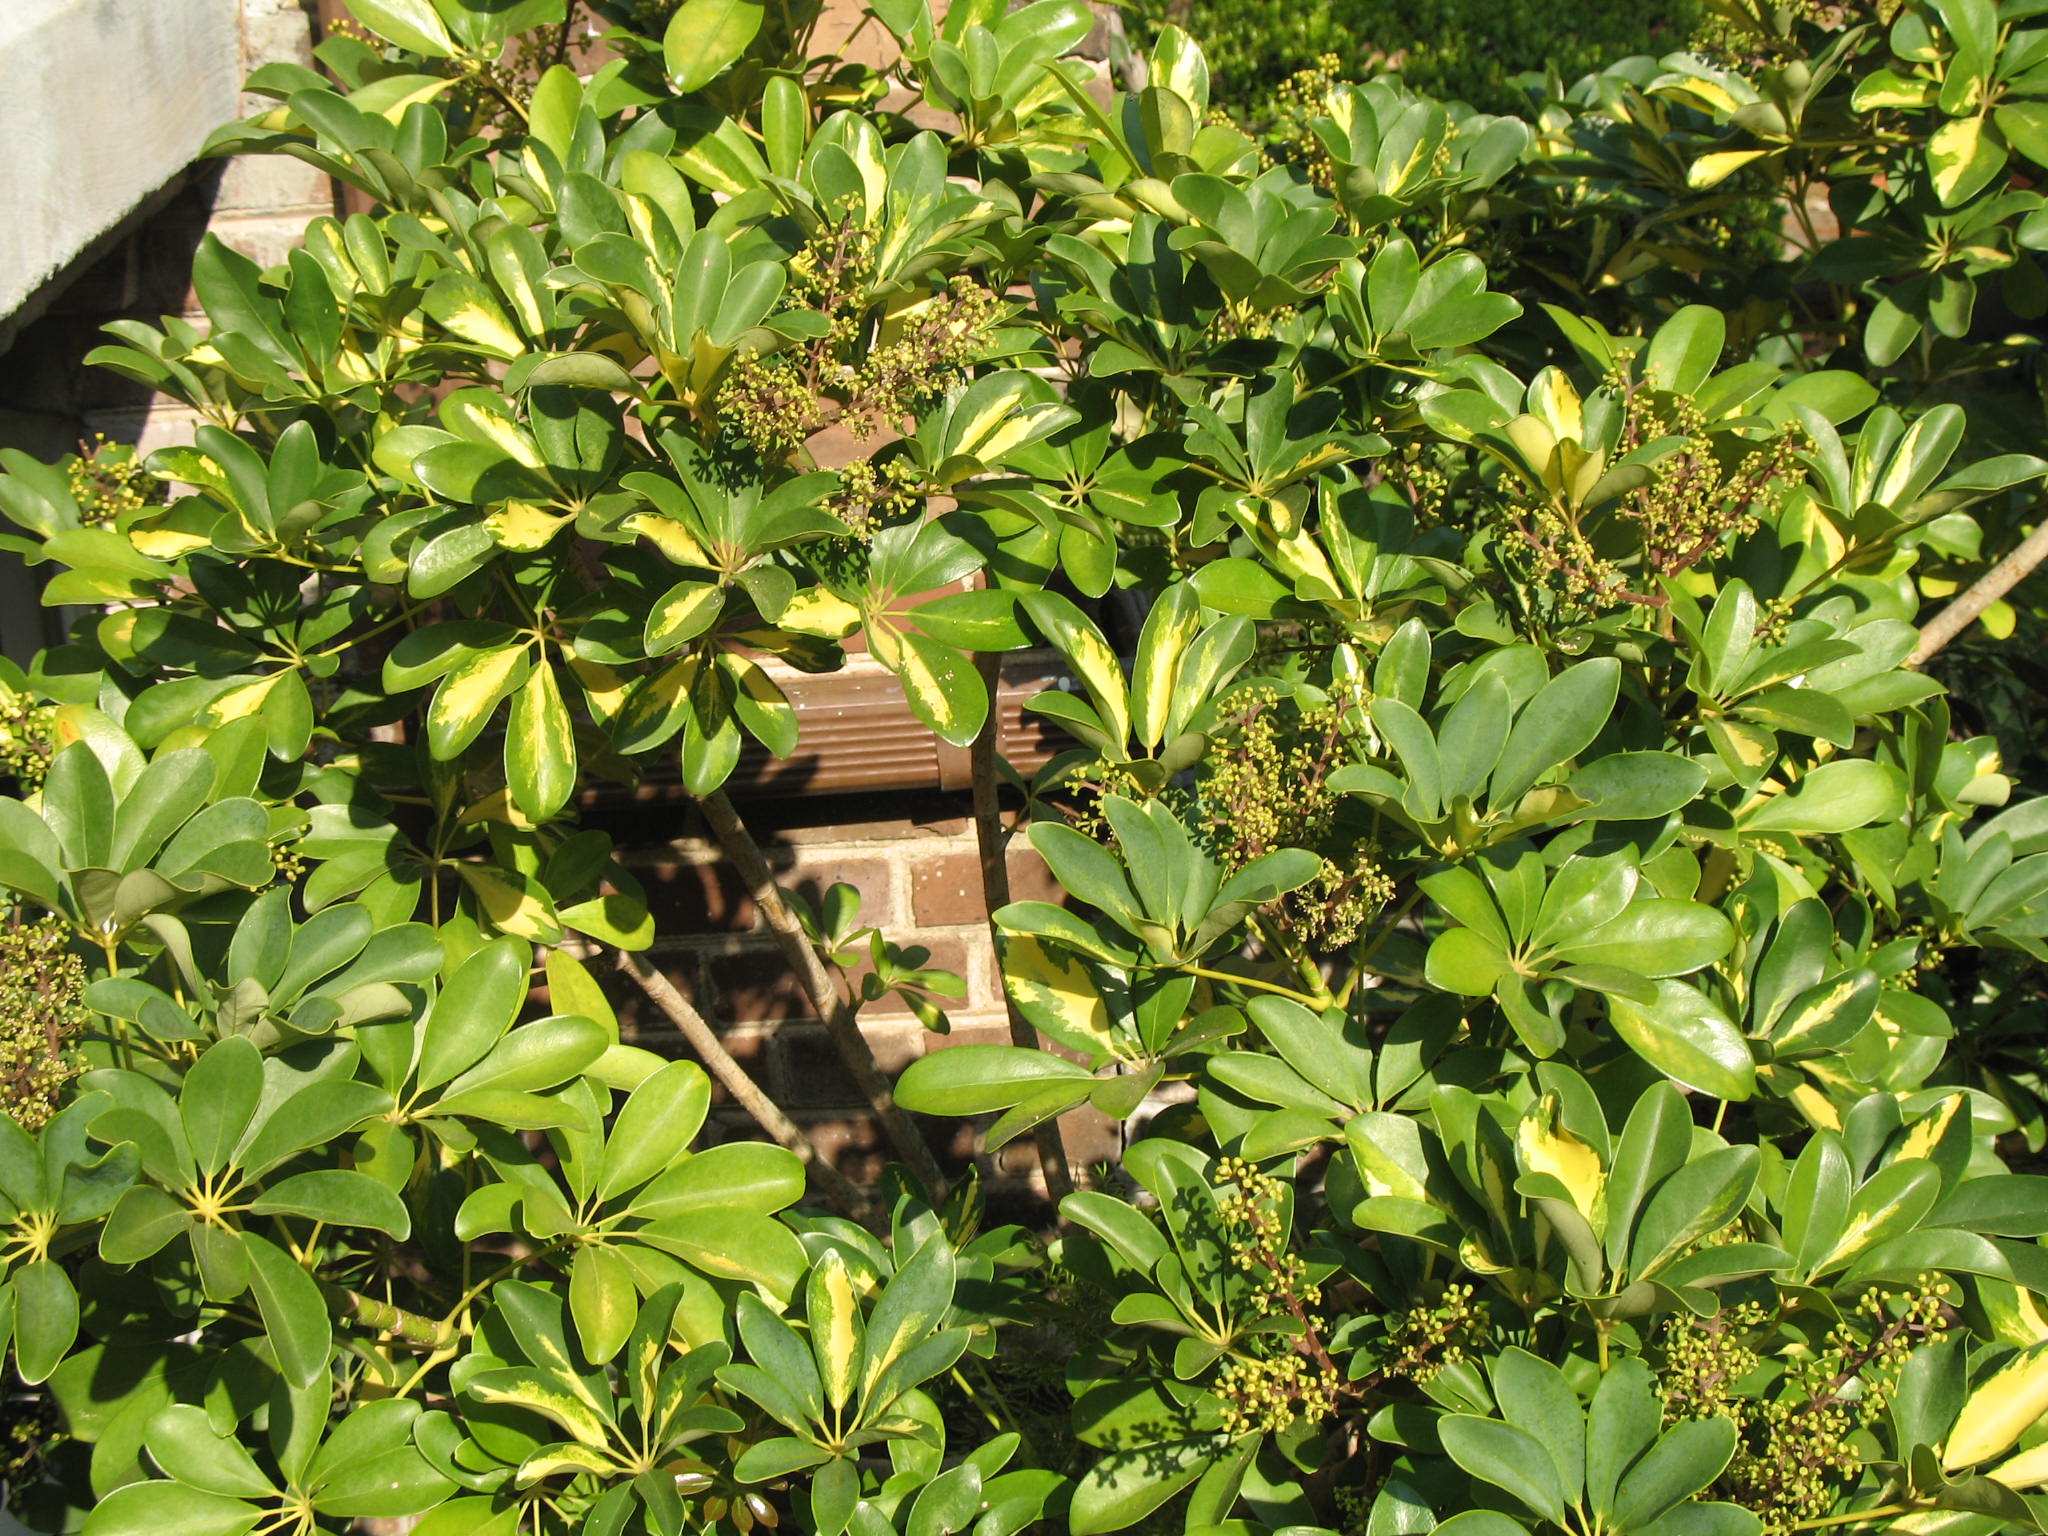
[(1562, 964)]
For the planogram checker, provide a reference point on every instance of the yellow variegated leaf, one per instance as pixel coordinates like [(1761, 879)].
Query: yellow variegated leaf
[(1169, 629), (522, 526), (2029, 1469), (1091, 657), (833, 1311), (2001, 1410), (941, 684), (470, 694), (466, 308), (1583, 471), (1056, 994), (1712, 170), (467, 415), (1716, 97), (1377, 1143), (1920, 1141), (1553, 400), (509, 902), (390, 96), (497, 806), (1547, 1147), (559, 1459), (818, 612), (1535, 444), (670, 537), (683, 613), (540, 746), (1815, 1106), (240, 702), (553, 1398), (2013, 1311), (604, 689), (166, 543), (1962, 157)]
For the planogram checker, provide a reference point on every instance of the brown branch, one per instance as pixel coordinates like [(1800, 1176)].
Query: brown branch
[(995, 893), (1981, 594), (766, 1113), (838, 1018)]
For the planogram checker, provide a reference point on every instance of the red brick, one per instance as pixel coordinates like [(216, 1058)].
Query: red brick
[(948, 890), (756, 986), (813, 1076), (851, 1143), (818, 870), (688, 897)]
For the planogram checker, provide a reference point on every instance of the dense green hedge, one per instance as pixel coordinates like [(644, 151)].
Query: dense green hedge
[(1462, 50)]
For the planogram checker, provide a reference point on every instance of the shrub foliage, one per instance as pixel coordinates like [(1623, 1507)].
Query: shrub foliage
[(1563, 964)]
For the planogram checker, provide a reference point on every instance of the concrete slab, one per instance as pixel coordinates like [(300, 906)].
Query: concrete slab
[(105, 101)]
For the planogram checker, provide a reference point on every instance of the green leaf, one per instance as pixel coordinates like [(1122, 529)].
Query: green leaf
[(732, 1244), (1480, 1522), (412, 24), (704, 37), (474, 1010), (45, 1318), (911, 1306), (1682, 355), (1123, 1487), (1689, 1456), (1700, 1198), (1556, 725), (1687, 1037), (1621, 1423), (1534, 1397), (974, 1079), (1639, 786), (340, 1197), (1465, 961), (1658, 937), (218, 1100), (602, 1300), (294, 1313), (655, 1127), (1509, 1458), (750, 1175), (167, 794), (170, 1509), (143, 1220), (535, 1057), (1837, 796), (783, 1456), (184, 1443)]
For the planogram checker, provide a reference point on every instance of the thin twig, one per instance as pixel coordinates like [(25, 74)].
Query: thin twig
[(995, 894), (838, 1018), (767, 1114), (1981, 594)]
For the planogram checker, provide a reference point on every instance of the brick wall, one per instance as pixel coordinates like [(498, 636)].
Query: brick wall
[(913, 858)]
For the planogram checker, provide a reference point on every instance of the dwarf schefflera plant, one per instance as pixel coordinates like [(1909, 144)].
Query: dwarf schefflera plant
[(1532, 914)]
